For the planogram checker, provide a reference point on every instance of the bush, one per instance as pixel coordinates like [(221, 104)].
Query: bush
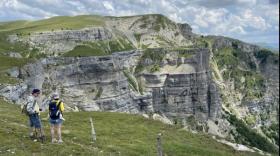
[(155, 68), (250, 137)]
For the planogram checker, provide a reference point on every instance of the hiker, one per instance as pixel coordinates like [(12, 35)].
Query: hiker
[(56, 108), (33, 112)]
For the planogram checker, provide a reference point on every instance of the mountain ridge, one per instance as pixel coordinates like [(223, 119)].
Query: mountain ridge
[(157, 65)]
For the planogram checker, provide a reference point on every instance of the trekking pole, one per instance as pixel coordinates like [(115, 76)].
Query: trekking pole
[(159, 148), (93, 134)]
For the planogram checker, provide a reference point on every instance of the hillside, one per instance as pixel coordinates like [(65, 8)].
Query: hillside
[(146, 64), (117, 134)]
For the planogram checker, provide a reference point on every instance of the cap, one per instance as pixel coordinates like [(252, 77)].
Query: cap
[(36, 91), (55, 96)]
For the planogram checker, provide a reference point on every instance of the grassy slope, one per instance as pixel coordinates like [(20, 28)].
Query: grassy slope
[(55, 23), (100, 48), (7, 63), (117, 134), (23, 28)]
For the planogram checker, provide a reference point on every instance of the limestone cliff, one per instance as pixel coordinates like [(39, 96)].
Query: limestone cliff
[(149, 64)]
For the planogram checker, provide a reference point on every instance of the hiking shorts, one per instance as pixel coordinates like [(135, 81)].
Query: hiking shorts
[(35, 121), (55, 121)]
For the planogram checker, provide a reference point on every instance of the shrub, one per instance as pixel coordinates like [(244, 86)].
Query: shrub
[(249, 136)]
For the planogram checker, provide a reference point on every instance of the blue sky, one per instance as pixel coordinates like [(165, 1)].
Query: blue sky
[(248, 20)]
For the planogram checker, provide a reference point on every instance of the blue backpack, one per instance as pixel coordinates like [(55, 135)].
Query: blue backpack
[(54, 111)]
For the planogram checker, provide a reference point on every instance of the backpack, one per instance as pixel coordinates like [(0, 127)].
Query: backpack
[(24, 108), (54, 111)]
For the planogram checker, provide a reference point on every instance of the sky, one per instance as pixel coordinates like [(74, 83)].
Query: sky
[(254, 21)]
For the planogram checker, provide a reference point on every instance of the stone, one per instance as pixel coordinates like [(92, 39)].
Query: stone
[(14, 72), (162, 119)]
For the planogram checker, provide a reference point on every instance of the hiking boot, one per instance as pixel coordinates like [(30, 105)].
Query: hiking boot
[(54, 141), (32, 137), (42, 139), (60, 141)]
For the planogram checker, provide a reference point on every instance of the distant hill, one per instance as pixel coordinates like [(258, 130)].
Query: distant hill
[(271, 46)]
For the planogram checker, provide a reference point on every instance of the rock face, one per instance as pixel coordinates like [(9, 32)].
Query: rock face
[(186, 93), (261, 63), (99, 84), (89, 83), (54, 42)]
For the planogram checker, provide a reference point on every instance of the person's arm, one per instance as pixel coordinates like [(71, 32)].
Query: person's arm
[(61, 106)]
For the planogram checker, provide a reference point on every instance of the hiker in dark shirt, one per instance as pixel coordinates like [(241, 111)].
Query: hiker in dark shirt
[(56, 108)]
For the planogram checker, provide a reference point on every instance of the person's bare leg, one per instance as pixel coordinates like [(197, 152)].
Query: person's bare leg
[(53, 133), (59, 133)]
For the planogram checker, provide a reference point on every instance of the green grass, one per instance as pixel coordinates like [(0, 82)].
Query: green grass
[(6, 79), (54, 23), (7, 63), (157, 21), (100, 48), (85, 50), (117, 134)]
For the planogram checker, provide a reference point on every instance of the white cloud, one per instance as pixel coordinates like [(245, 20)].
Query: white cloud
[(235, 18), (247, 2), (238, 29), (108, 5)]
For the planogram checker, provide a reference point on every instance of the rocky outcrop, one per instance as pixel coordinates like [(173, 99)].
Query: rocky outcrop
[(223, 42), (99, 84), (55, 42), (186, 93), (186, 31)]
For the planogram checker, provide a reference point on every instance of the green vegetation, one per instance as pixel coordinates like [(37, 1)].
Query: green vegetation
[(131, 80), (100, 48), (99, 93), (19, 47), (239, 65), (185, 54), (138, 37), (140, 86), (192, 123), (248, 136), (157, 21), (155, 55), (155, 68), (85, 50), (117, 134), (201, 42), (54, 23), (6, 79), (272, 132), (264, 54), (7, 63), (250, 120), (6, 46)]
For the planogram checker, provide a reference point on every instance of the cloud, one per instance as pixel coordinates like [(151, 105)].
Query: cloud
[(242, 19), (108, 5)]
